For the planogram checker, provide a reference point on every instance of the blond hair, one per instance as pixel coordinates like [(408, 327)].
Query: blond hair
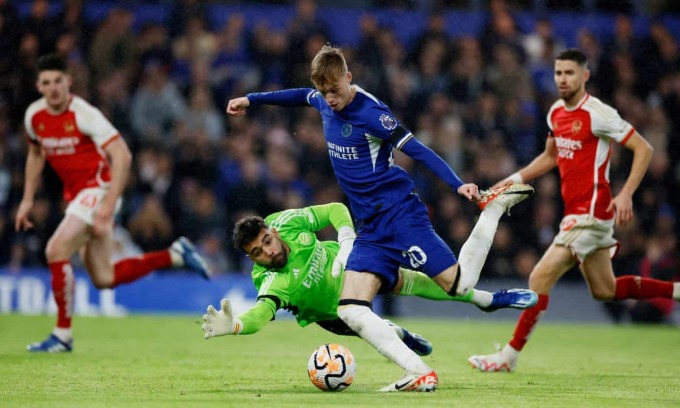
[(328, 65)]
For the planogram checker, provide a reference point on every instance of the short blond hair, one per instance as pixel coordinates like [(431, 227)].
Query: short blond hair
[(328, 65)]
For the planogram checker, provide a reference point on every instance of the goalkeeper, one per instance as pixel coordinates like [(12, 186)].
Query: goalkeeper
[(296, 271)]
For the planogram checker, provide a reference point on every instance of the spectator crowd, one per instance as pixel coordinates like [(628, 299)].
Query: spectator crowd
[(480, 101)]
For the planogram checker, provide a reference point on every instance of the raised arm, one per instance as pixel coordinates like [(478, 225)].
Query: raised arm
[(287, 97), (405, 141), (541, 164), (337, 214)]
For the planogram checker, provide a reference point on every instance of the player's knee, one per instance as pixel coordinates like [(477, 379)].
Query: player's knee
[(102, 282), (54, 251), (603, 294), (464, 290), (542, 281), (453, 282), (465, 285)]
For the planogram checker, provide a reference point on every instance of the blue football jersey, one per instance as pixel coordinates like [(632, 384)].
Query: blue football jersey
[(360, 139), (360, 150)]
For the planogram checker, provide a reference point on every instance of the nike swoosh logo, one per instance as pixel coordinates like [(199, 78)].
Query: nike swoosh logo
[(400, 386)]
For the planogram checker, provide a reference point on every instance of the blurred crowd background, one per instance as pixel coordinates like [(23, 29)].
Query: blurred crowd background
[(162, 72)]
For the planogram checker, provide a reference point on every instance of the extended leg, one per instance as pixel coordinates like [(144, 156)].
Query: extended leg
[(358, 290), (554, 263), (71, 234)]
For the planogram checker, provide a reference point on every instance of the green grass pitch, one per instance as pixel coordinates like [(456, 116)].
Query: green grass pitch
[(152, 361)]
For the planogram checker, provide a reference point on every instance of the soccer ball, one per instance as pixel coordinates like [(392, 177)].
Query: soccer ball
[(331, 367)]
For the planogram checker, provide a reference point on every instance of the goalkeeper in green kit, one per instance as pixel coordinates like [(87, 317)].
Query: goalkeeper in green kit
[(296, 271)]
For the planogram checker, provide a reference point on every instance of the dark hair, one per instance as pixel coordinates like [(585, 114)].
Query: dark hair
[(573, 54), (51, 62), (246, 230)]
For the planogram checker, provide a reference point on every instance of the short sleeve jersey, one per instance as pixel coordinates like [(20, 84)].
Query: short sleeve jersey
[(360, 150), (73, 142), (305, 285), (584, 137)]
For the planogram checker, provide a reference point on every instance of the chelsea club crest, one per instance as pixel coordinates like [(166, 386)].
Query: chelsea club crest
[(346, 129)]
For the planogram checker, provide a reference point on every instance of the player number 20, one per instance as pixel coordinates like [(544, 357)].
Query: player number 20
[(416, 256)]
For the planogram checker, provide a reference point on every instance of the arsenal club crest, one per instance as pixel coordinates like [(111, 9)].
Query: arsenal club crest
[(576, 126)]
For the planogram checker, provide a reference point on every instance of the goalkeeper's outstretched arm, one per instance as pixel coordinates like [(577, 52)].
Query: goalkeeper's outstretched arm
[(220, 323)]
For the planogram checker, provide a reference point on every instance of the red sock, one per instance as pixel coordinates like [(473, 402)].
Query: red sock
[(131, 269), (63, 288), (636, 287), (527, 321)]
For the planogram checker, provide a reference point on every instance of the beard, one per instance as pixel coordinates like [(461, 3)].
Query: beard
[(569, 94), (280, 260)]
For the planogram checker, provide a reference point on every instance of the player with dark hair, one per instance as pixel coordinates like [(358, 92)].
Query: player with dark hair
[(77, 141), (582, 132), (296, 271), (393, 223)]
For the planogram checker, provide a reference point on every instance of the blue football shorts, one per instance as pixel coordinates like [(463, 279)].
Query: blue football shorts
[(400, 235)]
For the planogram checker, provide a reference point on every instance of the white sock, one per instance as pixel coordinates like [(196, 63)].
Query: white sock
[(510, 352), (176, 259), (63, 334), (481, 298), (476, 248), (397, 329), (676, 291), (382, 337)]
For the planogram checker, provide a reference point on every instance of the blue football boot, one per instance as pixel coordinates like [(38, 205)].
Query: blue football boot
[(192, 260), (512, 299), (52, 344)]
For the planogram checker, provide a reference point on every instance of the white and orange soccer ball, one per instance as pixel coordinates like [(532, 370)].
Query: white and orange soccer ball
[(331, 367)]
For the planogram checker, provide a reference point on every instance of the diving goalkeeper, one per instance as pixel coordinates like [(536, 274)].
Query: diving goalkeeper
[(296, 271)]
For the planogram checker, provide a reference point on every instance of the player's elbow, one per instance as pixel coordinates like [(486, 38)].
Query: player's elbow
[(123, 158)]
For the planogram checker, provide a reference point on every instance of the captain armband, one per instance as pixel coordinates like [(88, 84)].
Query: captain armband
[(400, 136)]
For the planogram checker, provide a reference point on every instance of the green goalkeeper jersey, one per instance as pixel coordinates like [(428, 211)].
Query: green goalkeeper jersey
[(304, 285)]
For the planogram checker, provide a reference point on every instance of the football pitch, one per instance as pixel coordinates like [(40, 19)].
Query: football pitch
[(163, 361)]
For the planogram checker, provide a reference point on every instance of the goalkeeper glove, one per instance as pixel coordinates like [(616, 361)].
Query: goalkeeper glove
[(222, 322), (346, 237)]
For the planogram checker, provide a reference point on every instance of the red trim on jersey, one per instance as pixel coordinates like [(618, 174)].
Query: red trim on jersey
[(114, 137), (74, 155), (583, 101), (628, 136)]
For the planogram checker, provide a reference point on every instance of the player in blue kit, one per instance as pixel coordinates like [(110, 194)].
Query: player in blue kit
[(393, 223)]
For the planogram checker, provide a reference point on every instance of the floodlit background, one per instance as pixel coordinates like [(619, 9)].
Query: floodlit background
[(472, 79)]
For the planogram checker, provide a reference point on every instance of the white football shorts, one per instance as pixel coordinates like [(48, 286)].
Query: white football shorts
[(86, 203), (584, 234)]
